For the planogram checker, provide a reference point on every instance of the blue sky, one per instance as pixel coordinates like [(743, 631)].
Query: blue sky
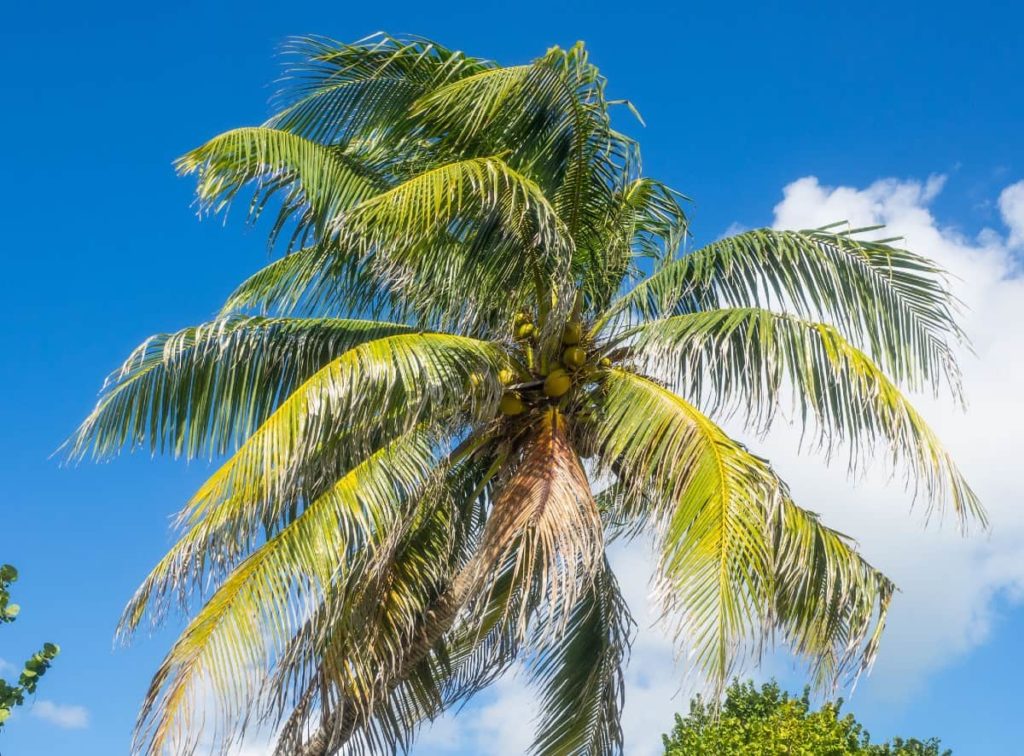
[(101, 248)]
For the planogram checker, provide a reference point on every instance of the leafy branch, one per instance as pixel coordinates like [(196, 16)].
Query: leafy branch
[(37, 664)]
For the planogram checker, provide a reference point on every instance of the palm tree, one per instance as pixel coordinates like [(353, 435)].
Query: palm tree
[(486, 353)]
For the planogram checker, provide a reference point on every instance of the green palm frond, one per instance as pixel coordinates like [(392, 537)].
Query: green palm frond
[(657, 219), (644, 221), (413, 234), (317, 281), (891, 301), (205, 389), (338, 92), (314, 182), (463, 108), (553, 116), (745, 359), (581, 676)]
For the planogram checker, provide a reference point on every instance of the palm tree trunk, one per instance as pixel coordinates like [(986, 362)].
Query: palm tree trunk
[(331, 736)]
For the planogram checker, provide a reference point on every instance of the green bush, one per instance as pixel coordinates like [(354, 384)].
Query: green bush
[(769, 722)]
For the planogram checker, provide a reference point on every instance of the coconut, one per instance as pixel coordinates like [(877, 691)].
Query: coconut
[(557, 383), (572, 334), (511, 404), (521, 317), (524, 330), (506, 375), (574, 357), (605, 363)]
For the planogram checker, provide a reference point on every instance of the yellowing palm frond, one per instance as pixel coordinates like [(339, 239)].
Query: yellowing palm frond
[(738, 560), (247, 622), (379, 390), (712, 497)]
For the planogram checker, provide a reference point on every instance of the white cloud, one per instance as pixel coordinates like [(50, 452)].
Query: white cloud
[(6, 667), (1011, 206), (65, 716), (948, 583), (500, 723)]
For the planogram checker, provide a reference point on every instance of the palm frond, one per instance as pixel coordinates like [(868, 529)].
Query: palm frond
[(393, 653), (550, 114), (339, 92), (711, 498), (739, 560), (249, 620), (553, 118), (644, 220), (314, 281), (745, 359), (377, 391), (475, 225), (204, 389), (581, 676), (463, 108), (894, 303), (829, 603), (314, 182)]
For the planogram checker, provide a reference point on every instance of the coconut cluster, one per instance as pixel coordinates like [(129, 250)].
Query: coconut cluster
[(554, 382)]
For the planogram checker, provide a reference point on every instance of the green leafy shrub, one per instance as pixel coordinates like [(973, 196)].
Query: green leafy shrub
[(769, 721)]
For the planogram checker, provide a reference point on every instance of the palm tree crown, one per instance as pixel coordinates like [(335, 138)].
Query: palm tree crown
[(485, 354)]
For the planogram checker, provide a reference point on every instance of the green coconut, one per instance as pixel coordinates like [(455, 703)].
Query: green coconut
[(572, 334), (574, 357), (511, 404), (605, 362), (524, 331), (507, 376), (557, 383)]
